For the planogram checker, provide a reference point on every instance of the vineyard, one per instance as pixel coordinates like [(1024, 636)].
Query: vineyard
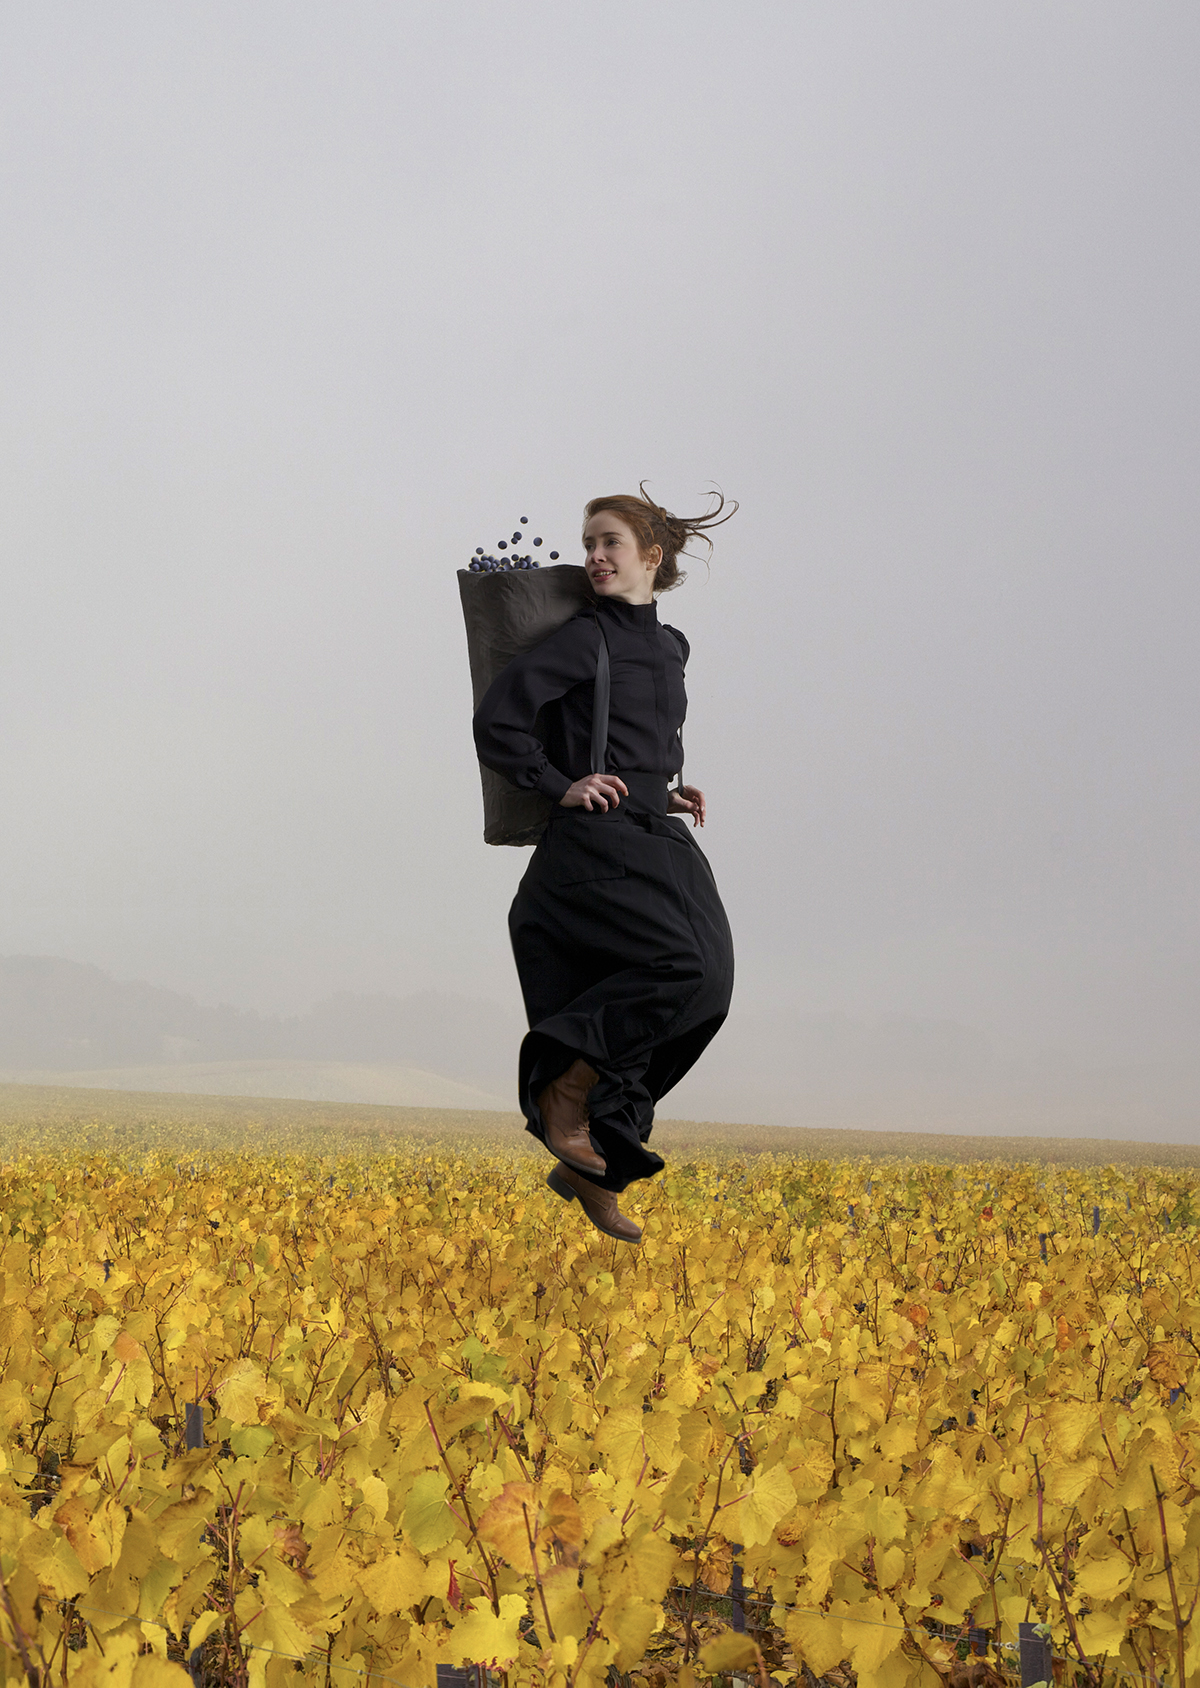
[(269, 1419)]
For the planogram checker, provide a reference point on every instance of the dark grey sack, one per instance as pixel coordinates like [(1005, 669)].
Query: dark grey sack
[(507, 613)]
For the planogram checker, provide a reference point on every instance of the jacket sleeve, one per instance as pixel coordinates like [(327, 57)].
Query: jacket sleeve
[(504, 721)]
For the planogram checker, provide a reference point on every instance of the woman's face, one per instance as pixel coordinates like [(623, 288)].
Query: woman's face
[(615, 566)]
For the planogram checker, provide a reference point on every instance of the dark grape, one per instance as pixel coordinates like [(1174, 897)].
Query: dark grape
[(483, 562)]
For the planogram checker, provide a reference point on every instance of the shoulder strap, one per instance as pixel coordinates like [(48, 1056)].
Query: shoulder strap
[(600, 703), (683, 651)]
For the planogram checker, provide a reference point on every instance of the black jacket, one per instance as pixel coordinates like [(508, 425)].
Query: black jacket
[(534, 724)]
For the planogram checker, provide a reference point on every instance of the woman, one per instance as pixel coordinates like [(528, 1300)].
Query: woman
[(621, 943)]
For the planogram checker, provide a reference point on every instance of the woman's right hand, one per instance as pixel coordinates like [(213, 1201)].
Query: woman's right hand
[(595, 791)]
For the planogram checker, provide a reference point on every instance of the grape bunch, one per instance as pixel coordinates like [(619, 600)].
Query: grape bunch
[(484, 563)]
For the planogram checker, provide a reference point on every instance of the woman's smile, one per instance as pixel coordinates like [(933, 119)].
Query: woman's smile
[(615, 564)]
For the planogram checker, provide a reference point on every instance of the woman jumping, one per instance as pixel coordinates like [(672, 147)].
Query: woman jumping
[(622, 946)]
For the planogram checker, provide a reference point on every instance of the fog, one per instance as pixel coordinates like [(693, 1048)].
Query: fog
[(301, 303)]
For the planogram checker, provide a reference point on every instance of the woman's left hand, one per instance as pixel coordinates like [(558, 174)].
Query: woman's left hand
[(687, 800)]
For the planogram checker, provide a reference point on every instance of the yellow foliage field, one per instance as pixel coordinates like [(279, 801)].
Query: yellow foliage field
[(445, 1421)]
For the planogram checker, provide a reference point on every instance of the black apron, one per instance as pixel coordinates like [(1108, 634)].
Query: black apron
[(626, 959)]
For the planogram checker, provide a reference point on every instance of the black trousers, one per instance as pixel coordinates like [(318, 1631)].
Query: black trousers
[(625, 959)]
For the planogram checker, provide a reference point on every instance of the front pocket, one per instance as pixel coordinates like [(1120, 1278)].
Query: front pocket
[(583, 852)]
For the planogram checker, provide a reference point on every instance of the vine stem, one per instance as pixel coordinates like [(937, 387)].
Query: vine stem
[(489, 1567), (537, 1573), (1059, 1589), (702, 1543), (32, 1673), (1169, 1568)]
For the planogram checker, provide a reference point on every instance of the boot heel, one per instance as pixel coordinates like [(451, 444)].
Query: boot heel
[(559, 1185)]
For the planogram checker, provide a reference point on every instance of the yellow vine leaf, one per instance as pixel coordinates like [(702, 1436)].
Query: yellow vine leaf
[(511, 1523), (770, 1497), (55, 1564), (885, 1518), (428, 1520), (16, 1324), (375, 1493), (485, 1637), (565, 1603), (1072, 1423), (242, 1391), (208, 1623), (810, 1466), (1102, 1633), (873, 1630), (392, 1583), (476, 1401), (716, 1571), (636, 1621), (728, 1651), (817, 1639), (1166, 1364)]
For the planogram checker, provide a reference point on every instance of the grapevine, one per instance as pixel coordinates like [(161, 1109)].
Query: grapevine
[(284, 1418)]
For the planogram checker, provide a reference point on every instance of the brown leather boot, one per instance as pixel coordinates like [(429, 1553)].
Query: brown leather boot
[(563, 1107), (599, 1205)]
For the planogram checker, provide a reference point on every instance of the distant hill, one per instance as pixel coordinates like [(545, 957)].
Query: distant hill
[(775, 1066), (65, 1016), (376, 1082)]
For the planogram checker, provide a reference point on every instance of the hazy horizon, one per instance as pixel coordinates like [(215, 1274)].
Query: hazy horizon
[(303, 304), (66, 1023)]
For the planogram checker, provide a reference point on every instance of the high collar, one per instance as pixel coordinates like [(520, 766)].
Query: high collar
[(638, 618)]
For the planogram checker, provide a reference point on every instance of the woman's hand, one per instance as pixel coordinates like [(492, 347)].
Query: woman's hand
[(596, 791), (687, 800)]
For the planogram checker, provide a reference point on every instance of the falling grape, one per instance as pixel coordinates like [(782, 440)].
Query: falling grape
[(483, 562), (553, 555)]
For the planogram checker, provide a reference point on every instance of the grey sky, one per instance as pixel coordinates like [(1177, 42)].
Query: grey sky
[(300, 303)]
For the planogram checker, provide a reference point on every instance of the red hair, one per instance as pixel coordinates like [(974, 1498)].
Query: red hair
[(652, 525)]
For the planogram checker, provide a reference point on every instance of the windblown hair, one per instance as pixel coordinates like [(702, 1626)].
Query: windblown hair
[(652, 525)]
